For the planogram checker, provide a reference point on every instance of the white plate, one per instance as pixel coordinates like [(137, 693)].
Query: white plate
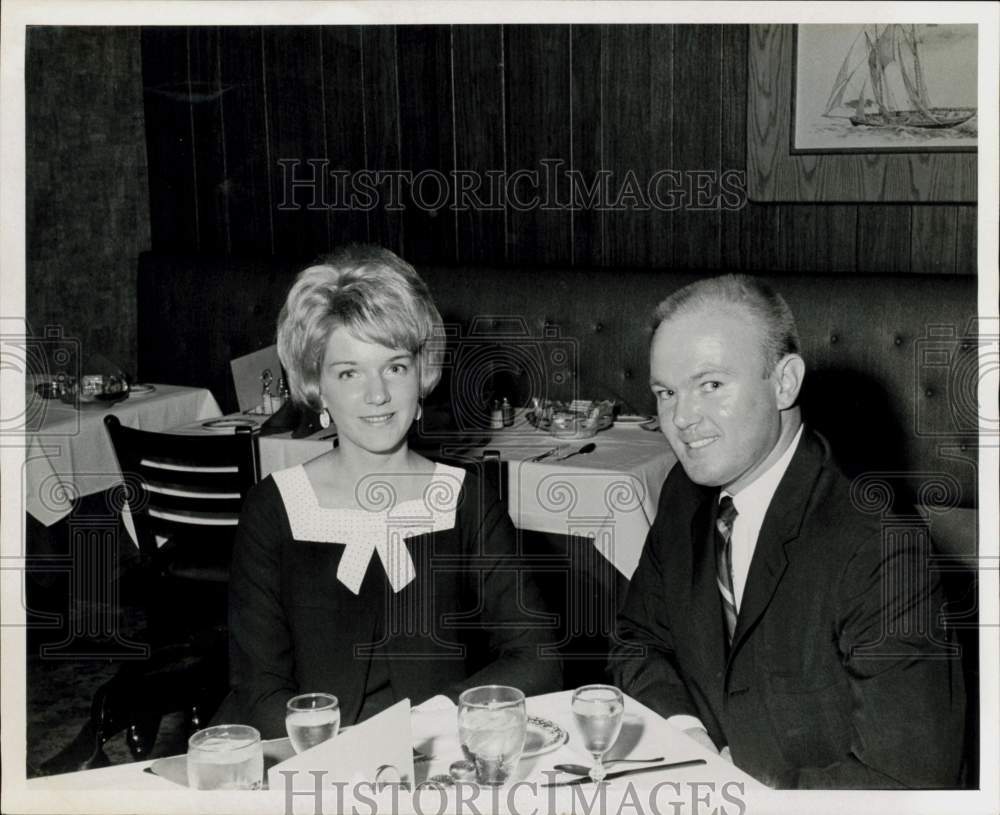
[(228, 424), (543, 736), (141, 390)]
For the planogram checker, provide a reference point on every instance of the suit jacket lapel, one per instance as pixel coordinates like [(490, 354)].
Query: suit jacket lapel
[(782, 522)]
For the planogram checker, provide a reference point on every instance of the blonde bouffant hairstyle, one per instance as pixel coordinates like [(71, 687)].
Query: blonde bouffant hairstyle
[(371, 292)]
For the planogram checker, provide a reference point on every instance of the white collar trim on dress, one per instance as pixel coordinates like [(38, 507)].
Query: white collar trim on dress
[(381, 527)]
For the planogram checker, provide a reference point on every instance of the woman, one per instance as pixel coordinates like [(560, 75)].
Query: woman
[(371, 572)]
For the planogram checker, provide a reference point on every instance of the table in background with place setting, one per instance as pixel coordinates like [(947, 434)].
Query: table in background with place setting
[(605, 487), (69, 454), (277, 450)]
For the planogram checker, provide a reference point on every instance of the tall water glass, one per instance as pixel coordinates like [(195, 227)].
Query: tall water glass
[(492, 725), (598, 710), (311, 718), (225, 757)]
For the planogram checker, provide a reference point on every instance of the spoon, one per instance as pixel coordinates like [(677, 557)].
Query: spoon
[(579, 769), (587, 448)]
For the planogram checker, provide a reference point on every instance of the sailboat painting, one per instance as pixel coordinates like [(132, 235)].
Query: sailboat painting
[(885, 87)]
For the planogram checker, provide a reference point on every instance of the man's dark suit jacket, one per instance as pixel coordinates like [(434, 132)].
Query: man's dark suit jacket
[(839, 674)]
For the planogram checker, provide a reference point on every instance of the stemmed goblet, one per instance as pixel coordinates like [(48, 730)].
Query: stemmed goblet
[(598, 710)]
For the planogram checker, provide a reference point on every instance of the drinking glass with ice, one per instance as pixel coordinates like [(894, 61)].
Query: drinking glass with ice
[(492, 725), (225, 757)]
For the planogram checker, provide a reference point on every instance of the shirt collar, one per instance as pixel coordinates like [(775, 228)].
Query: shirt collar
[(755, 497)]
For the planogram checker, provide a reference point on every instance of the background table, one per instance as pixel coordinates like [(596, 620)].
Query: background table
[(69, 453), (609, 495), (277, 451)]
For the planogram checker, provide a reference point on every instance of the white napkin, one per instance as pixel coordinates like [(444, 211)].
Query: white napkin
[(385, 738), (435, 704)]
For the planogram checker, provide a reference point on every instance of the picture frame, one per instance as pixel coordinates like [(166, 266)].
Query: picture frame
[(884, 88), (777, 171)]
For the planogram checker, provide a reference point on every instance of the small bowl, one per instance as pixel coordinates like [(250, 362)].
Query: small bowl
[(570, 424)]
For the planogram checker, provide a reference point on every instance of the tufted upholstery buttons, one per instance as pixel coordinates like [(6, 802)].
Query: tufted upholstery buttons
[(965, 346), (598, 328), (897, 340), (929, 392), (834, 339), (628, 373)]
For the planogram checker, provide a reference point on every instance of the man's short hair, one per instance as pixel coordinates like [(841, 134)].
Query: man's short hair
[(756, 299), (371, 292)]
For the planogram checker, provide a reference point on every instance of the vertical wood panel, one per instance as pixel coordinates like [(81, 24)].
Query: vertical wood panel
[(588, 126), (536, 61), (762, 239), (638, 88), (207, 126), (883, 238), (966, 243), (836, 238), (172, 195), (295, 134), (249, 202), (86, 186), (817, 237), (696, 135), (382, 137), (345, 130), (733, 101), (628, 100), (933, 239), (425, 115), (797, 237), (477, 82)]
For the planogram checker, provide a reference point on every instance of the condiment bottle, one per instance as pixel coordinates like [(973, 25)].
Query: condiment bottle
[(507, 411), (496, 417)]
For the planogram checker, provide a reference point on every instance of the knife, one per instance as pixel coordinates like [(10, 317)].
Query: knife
[(694, 762)]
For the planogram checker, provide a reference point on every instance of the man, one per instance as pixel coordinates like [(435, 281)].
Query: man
[(771, 618)]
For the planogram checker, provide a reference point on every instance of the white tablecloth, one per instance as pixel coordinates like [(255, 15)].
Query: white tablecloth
[(644, 734), (69, 453), (610, 494)]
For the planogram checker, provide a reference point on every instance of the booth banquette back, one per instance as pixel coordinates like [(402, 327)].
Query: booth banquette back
[(892, 360)]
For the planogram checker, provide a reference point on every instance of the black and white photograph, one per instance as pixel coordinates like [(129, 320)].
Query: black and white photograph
[(555, 407)]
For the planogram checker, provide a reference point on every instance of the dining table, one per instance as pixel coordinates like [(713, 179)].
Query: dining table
[(701, 778), (604, 488), (68, 453)]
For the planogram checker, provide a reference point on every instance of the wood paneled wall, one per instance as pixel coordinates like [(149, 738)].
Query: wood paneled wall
[(224, 106), (86, 207)]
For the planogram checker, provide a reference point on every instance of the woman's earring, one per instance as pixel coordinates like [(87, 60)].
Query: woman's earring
[(324, 418), (420, 412)]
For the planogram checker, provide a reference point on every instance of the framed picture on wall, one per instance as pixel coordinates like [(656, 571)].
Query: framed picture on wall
[(892, 87), (807, 82)]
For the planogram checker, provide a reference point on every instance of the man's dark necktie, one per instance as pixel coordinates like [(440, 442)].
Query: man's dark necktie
[(724, 561)]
